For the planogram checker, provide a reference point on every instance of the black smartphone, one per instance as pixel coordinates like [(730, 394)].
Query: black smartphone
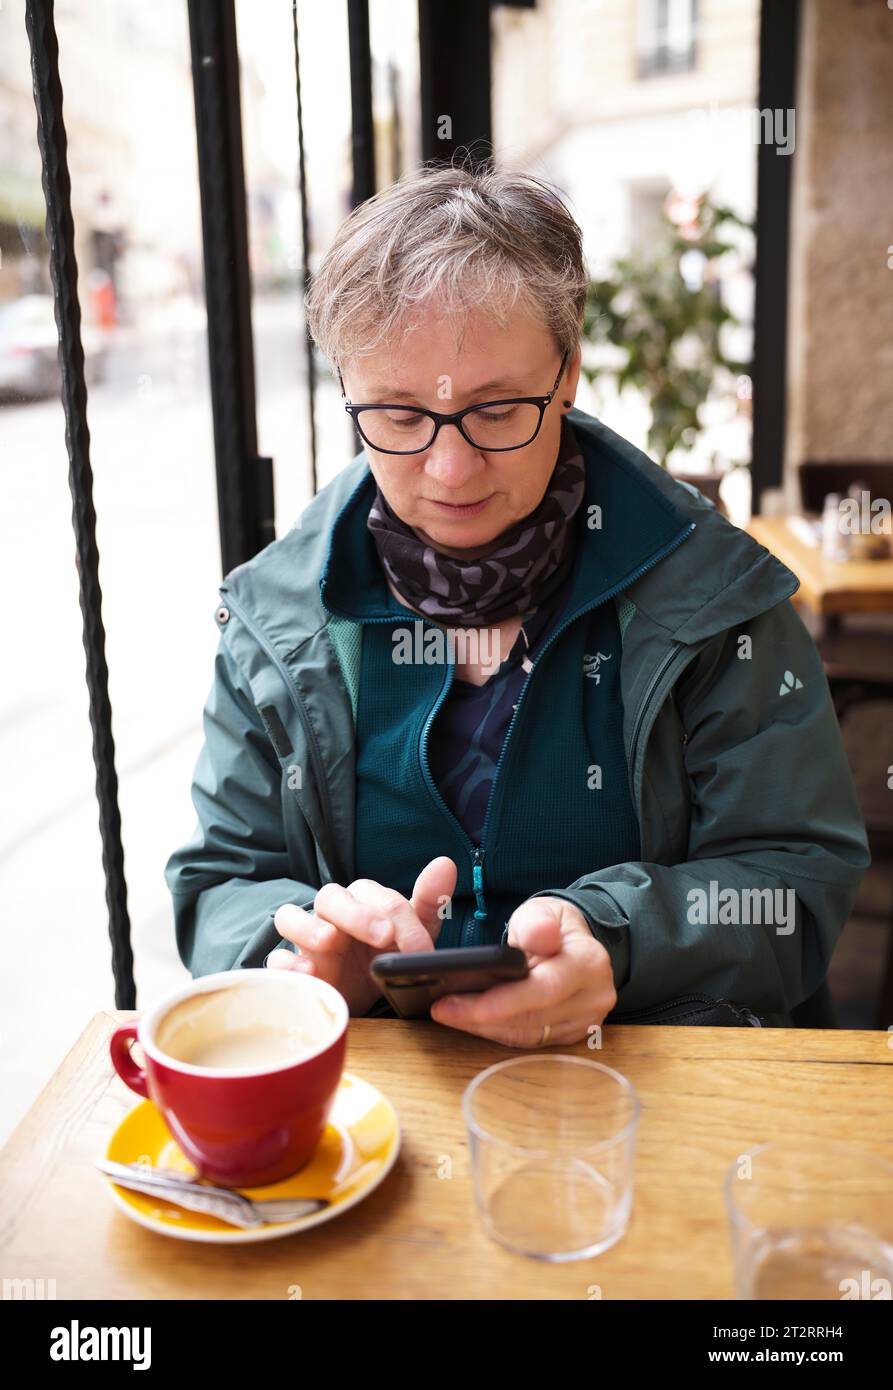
[(412, 980)]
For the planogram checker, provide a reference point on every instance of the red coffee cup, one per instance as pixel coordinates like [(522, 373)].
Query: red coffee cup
[(249, 1125)]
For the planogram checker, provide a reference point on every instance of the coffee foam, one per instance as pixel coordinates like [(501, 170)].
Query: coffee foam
[(215, 1024)]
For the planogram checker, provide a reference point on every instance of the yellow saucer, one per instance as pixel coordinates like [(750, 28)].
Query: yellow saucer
[(358, 1148)]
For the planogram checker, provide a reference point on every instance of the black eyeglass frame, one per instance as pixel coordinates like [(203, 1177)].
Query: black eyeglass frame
[(456, 418)]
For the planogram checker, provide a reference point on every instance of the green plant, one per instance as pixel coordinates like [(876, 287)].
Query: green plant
[(668, 324)]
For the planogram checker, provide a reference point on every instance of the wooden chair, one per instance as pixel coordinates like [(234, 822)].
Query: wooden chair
[(870, 752), (857, 654)]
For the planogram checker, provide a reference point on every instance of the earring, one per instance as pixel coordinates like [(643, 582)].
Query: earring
[(568, 404)]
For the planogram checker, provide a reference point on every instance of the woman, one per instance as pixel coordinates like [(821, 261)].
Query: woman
[(506, 679)]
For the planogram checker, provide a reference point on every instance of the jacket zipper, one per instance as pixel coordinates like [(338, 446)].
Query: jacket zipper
[(298, 702), (678, 649), (659, 1011), (477, 851), (643, 708)]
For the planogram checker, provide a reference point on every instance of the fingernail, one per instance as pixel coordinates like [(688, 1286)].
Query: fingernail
[(380, 930)]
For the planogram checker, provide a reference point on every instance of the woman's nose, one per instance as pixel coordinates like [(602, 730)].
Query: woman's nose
[(451, 460)]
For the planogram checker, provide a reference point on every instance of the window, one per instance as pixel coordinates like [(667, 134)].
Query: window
[(645, 209), (666, 41)]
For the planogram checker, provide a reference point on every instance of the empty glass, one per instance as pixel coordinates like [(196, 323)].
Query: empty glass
[(552, 1141), (811, 1220)]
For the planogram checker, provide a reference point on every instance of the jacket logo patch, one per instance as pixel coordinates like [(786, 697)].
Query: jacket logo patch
[(591, 665), (790, 682)]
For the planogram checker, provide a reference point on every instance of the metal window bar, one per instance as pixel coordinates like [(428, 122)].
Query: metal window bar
[(305, 253), (779, 38), (53, 143), (244, 481), (454, 77), (362, 129), (361, 125)]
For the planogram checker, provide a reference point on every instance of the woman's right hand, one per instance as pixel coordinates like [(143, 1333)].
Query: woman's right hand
[(349, 927)]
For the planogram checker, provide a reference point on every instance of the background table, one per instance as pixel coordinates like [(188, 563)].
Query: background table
[(707, 1093), (826, 586)]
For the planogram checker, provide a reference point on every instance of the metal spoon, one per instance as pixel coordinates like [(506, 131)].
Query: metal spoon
[(197, 1195)]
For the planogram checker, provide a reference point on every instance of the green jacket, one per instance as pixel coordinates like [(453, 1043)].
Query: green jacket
[(737, 769)]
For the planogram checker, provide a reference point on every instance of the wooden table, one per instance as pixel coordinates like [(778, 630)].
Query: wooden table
[(828, 587), (707, 1094)]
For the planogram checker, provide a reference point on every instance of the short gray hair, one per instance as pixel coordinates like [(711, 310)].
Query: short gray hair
[(455, 238)]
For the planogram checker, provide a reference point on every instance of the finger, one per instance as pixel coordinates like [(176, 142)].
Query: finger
[(432, 892), (569, 1022), (289, 960), (528, 1036), (535, 927), (324, 964), (322, 945), (311, 934), (295, 924), (544, 991), (344, 910), (408, 932)]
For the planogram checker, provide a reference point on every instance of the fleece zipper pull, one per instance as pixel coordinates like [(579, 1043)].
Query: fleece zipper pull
[(477, 878)]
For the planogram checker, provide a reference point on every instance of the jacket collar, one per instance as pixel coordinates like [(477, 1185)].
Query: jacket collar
[(722, 578)]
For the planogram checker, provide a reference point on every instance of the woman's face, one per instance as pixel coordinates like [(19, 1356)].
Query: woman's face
[(427, 369)]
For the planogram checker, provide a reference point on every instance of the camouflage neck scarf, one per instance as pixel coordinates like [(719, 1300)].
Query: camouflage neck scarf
[(512, 575)]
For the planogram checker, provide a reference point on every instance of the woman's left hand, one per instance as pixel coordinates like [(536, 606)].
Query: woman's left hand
[(570, 985)]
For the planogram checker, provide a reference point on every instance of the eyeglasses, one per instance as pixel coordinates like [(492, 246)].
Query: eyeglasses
[(495, 426)]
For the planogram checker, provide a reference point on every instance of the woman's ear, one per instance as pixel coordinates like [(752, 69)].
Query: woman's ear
[(571, 378)]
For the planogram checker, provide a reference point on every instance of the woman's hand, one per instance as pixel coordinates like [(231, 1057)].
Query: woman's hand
[(570, 985), (349, 927)]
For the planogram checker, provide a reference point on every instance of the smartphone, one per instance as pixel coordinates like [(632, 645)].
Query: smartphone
[(412, 980)]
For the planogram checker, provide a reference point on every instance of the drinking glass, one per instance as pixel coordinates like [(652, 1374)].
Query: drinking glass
[(552, 1140), (811, 1220)]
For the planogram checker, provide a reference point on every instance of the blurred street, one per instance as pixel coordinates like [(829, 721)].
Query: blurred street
[(155, 499)]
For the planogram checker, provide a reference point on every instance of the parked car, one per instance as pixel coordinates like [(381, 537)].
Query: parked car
[(29, 348)]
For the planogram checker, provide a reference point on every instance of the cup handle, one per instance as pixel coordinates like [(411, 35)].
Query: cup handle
[(130, 1073)]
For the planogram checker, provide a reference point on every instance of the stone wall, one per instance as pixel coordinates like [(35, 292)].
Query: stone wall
[(840, 347)]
